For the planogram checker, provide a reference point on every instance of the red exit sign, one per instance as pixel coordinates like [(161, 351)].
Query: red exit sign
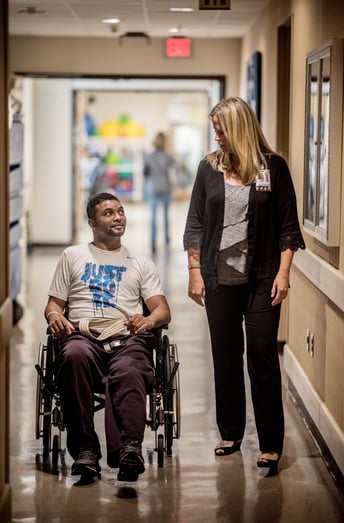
[(178, 47)]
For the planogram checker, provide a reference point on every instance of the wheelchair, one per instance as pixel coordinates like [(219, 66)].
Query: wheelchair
[(163, 402)]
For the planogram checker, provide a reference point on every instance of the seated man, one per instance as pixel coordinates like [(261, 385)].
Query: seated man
[(103, 285)]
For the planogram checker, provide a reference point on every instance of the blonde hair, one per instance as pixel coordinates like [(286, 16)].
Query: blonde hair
[(241, 128)]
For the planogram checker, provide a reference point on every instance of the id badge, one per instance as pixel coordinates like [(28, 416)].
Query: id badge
[(263, 182)]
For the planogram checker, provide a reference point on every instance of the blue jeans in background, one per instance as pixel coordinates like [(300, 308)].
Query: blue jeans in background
[(156, 200)]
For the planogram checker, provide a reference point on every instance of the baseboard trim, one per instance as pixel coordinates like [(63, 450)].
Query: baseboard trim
[(280, 346), (316, 417)]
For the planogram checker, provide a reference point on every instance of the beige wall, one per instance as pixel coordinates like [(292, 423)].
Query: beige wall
[(263, 38), (106, 56)]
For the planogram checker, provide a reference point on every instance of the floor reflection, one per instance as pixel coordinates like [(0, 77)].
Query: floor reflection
[(193, 486)]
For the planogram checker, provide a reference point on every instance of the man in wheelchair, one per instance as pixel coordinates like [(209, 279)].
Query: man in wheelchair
[(95, 307)]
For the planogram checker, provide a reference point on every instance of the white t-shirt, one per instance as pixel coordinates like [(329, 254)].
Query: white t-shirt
[(94, 281)]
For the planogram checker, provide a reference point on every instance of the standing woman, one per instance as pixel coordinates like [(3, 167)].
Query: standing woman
[(241, 233)]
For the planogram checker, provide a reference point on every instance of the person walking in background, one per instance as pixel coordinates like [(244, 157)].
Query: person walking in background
[(157, 169), (241, 232)]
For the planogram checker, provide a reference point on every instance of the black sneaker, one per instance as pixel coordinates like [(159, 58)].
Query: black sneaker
[(131, 462), (113, 459), (86, 462)]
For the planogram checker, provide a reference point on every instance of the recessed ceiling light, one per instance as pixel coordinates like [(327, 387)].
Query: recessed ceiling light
[(178, 30), (111, 21), (181, 9)]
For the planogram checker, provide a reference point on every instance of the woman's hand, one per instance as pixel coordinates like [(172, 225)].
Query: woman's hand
[(196, 289), (280, 286), (279, 290)]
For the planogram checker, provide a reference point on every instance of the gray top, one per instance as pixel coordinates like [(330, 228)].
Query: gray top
[(157, 171), (232, 258)]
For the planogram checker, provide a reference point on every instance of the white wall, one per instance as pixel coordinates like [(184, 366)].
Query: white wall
[(50, 218)]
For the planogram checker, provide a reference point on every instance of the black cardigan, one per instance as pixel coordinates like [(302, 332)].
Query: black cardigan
[(273, 224)]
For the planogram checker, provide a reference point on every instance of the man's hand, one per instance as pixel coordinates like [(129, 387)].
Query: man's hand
[(59, 325), (138, 323)]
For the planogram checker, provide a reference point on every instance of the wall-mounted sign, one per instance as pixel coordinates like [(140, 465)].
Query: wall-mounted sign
[(178, 47)]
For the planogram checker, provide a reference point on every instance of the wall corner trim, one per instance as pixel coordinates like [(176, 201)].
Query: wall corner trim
[(326, 278)]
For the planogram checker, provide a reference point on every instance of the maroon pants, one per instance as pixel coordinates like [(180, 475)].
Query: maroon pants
[(129, 371)]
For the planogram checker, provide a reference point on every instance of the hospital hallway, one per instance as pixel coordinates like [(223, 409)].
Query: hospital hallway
[(194, 486)]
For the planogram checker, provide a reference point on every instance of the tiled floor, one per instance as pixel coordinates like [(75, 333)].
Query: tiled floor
[(193, 486)]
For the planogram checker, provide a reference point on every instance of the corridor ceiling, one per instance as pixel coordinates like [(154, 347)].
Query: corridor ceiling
[(83, 18)]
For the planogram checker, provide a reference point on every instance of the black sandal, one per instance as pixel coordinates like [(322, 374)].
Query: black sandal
[(272, 464), (226, 451)]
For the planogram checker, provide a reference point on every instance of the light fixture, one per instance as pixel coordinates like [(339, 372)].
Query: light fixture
[(181, 9), (111, 21), (178, 31), (135, 34)]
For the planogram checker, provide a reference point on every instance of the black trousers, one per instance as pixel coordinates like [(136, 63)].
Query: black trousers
[(129, 371), (239, 313)]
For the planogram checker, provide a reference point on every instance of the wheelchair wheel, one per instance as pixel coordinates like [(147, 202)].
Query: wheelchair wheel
[(44, 395), (55, 453), (160, 450), (39, 393), (171, 396), (176, 395)]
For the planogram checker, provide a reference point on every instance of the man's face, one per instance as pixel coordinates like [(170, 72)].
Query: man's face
[(110, 220)]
